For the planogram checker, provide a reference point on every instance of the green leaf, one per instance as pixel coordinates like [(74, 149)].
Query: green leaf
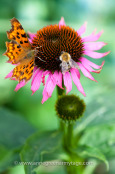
[(8, 159), (101, 137), (92, 152), (14, 130), (41, 147), (99, 111)]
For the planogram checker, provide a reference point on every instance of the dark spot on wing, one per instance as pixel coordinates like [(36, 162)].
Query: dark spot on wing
[(18, 37), (25, 41), (18, 46), (21, 42), (23, 35)]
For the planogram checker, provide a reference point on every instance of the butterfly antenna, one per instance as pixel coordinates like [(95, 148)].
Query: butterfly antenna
[(39, 47), (41, 59), (41, 52)]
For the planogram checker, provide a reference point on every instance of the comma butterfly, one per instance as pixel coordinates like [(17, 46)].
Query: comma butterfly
[(19, 52)]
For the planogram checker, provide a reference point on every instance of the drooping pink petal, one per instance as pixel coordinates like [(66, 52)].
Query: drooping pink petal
[(30, 40), (77, 72), (8, 61), (31, 35), (94, 45), (89, 68), (88, 64), (35, 68), (58, 77), (61, 22), (34, 75), (59, 82), (85, 72), (50, 85), (45, 93), (92, 37), (20, 85), (82, 29), (36, 81), (77, 81), (45, 96), (95, 55), (67, 82), (45, 73), (9, 75)]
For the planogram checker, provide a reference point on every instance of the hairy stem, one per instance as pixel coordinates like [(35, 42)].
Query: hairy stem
[(67, 129)]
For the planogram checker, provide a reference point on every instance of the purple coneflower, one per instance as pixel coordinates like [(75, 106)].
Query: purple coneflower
[(59, 55)]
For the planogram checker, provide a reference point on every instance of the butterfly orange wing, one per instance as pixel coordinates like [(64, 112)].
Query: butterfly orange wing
[(19, 51), (18, 34), (14, 52), (23, 71)]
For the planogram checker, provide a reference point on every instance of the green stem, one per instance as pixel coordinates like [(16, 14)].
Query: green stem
[(62, 125), (60, 91), (69, 142), (69, 135)]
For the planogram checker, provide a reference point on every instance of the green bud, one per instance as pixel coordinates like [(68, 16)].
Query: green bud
[(70, 107)]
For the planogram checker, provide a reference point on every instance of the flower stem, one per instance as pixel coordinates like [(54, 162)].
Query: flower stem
[(67, 129), (69, 141), (59, 93), (69, 134)]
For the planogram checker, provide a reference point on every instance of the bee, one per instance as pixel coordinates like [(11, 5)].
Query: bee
[(66, 62)]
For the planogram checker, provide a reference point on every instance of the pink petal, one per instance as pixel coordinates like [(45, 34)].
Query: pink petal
[(50, 85), (96, 66), (9, 75), (77, 72), (45, 73), (20, 85), (85, 72), (77, 81), (34, 75), (35, 68), (45, 93), (61, 22), (45, 96), (31, 35), (92, 37), (94, 45), (89, 68), (88, 64), (59, 82), (30, 40), (95, 55), (67, 82), (82, 29), (10, 62), (58, 76), (36, 81)]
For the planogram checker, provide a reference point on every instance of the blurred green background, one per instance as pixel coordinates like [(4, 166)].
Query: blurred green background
[(21, 107)]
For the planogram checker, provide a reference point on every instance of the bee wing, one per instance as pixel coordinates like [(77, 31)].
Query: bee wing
[(73, 64)]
